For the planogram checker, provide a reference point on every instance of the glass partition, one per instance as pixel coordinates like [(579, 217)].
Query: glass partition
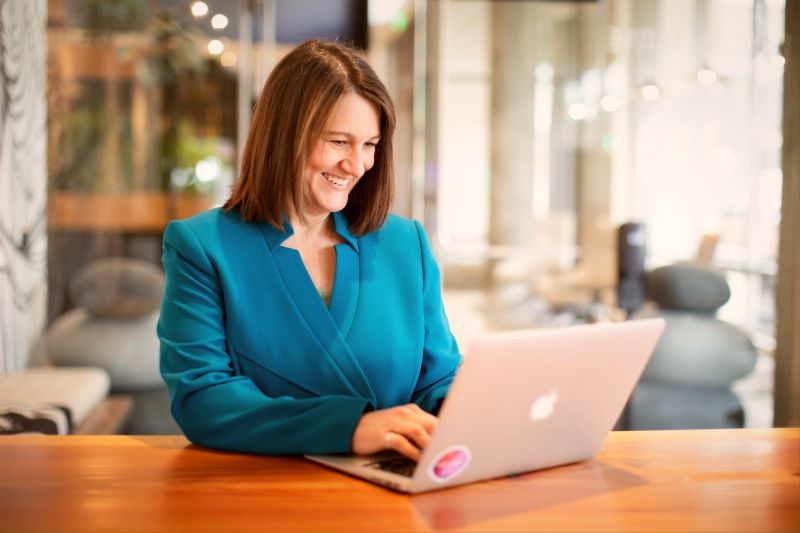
[(556, 122), (141, 127)]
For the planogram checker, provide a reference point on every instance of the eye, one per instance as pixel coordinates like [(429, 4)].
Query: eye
[(370, 146), (338, 142)]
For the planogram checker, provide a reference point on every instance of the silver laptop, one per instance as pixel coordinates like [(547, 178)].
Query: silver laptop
[(522, 401)]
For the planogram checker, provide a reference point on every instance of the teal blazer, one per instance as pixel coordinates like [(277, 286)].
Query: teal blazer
[(255, 361)]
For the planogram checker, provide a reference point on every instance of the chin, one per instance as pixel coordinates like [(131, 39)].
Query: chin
[(337, 204), (336, 208), (333, 206)]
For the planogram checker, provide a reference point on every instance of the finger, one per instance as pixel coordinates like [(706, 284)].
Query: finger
[(422, 417), (414, 408), (401, 445), (428, 421), (413, 432)]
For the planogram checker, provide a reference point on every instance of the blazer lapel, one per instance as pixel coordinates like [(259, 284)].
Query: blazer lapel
[(337, 370), (347, 279)]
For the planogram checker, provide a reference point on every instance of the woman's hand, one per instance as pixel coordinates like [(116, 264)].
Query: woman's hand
[(405, 429)]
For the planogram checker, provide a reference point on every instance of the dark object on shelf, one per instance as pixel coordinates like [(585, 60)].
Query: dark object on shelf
[(630, 267)]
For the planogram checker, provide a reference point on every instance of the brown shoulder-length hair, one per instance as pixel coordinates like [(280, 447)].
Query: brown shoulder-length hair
[(288, 119)]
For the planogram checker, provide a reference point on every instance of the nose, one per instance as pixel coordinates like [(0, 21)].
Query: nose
[(354, 163)]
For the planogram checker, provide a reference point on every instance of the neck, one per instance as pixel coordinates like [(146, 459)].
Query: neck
[(313, 229)]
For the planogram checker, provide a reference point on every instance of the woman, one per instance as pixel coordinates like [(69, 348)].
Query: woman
[(302, 317)]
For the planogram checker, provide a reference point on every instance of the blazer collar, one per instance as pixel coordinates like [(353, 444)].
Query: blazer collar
[(276, 237), (340, 225)]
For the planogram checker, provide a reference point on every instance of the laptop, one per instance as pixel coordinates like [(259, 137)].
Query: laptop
[(521, 401)]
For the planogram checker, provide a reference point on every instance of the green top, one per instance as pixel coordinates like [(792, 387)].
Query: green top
[(326, 297)]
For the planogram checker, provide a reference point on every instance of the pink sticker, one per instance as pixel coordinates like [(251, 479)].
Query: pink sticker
[(449, 463)]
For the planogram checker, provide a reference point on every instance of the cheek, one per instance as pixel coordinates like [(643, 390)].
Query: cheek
[(319, 158), (369, 161), (309, 175)]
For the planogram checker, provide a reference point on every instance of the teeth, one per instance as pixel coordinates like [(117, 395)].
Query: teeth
[(336, 181)]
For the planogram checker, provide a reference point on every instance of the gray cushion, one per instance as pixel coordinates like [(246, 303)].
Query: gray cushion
[(698, 350), (654, 406), (127, 349), (151, 413), (689, 287), (118, 287)]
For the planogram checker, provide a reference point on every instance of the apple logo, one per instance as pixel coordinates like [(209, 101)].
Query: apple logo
[(544, 405)]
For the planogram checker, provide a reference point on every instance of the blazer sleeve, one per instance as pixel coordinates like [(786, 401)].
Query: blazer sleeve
[(441, 357), (214, 405)]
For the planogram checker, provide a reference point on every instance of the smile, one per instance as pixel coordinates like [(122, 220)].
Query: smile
[(338, 183)]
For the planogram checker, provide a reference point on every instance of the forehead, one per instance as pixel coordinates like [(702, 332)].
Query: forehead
[(354, 114)]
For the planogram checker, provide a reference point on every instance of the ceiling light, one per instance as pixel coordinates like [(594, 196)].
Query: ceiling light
[(199, 9), (577, 111), (610, 103), (215, 47), (707, 76), (651, 92), (227, 59), (219, 21)]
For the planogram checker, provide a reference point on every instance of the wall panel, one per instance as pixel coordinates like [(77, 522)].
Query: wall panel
[(23, 179)]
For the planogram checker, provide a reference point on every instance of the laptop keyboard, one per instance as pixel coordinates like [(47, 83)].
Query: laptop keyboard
[(402, 466)]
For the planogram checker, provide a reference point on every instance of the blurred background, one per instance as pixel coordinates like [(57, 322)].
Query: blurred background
[(572, 161)]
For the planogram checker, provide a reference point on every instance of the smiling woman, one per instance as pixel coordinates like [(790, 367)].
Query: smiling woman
[(342, 154), (314, 82), (302, 317)]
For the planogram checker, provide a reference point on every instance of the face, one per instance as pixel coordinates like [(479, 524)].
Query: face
[(342, 154)]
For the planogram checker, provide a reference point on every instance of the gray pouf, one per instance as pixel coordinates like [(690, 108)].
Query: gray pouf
[(127, 349), (655, 406), (118, 287), (151, 414), (698, 350), (689, 287), (686, 384)]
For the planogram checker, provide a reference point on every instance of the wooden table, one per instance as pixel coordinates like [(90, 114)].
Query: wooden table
[(711, 480)]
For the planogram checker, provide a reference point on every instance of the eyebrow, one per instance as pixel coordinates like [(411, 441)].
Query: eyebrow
[(348, 135)]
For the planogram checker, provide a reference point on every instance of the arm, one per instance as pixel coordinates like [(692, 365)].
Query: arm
[(214, 406), (408, 428), (441, 357)]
